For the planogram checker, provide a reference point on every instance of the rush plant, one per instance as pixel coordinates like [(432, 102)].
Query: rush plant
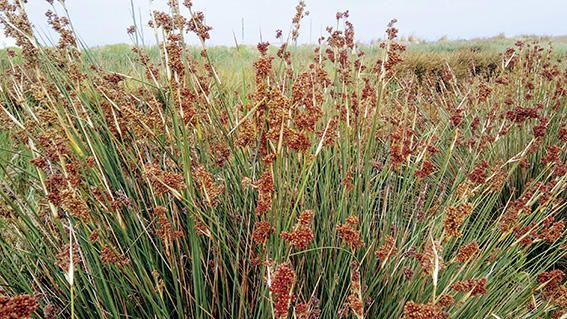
[(338, 186)]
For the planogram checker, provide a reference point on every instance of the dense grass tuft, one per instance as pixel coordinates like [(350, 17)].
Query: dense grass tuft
[(313, 182)]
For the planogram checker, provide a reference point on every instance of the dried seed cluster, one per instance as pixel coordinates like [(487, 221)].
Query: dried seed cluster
[(354, 168)]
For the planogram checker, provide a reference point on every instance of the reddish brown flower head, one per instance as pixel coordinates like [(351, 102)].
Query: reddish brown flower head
[(50, 311), (445, 300), (22, 306), (164, 228), (109, 256), (551, 230), (263, 67), (466, 252), (521, 114), (302, 235), (414, 310), (308, 310), (64, 258), (163, 181), (430, 257), (387, 249), (263, 47), (262, 232), (478, 175), (552, 155), (402, 146), (474, 286), (196, 24), (265, 190), (454, 218), (281, 286), (302, 310), (515, 208), (355, 301), (457, 118), (563, 134), (131, 29), (552, 279), (349, 233), (296, 140), (408, 273), (426, 170), (540, 129), (266, 182), (209, 187)]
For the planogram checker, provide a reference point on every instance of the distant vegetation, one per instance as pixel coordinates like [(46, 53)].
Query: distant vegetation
[(466, 57)]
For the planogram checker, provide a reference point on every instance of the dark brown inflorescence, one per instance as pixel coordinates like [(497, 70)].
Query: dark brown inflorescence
[(18, 307), (165, 229), (262, 231), (388, 249), (454, 218), (414, 310), (249, 191), (109, 256), (302, 234), (473, 286), (349, 233), (163, 181), (265, 191), (467, 252), (283, 279)]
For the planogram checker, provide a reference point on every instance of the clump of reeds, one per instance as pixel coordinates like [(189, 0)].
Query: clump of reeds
[(333, 188)]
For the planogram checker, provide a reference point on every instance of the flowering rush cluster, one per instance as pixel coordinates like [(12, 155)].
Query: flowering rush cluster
[(282, 281), (18, 307), (279, 181)]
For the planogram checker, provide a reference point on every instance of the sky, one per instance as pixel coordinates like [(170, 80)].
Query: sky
[(100, 22)]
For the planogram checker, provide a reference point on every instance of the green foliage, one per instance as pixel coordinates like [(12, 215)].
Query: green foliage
[(127, 193)]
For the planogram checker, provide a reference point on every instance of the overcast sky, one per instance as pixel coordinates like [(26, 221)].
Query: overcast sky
[(101, 22)]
